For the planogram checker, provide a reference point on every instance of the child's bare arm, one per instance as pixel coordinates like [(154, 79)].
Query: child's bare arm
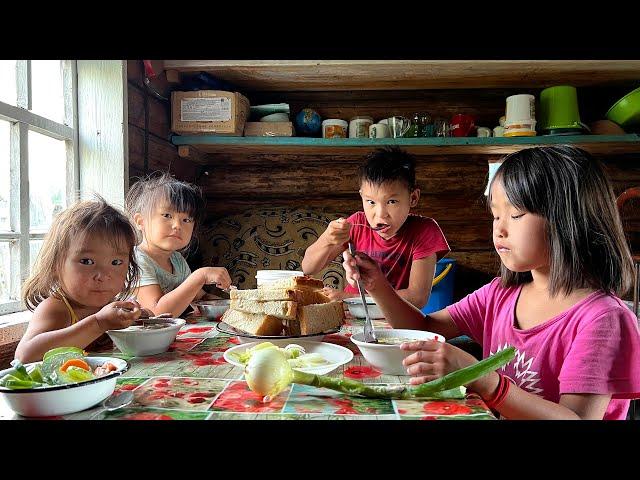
[(420, 280), (397, 311), (431, 360), (328, 246), (50, 328), (177, 300)]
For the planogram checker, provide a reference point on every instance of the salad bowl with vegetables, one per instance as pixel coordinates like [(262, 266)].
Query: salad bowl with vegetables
[(66, 381), (311, 357)]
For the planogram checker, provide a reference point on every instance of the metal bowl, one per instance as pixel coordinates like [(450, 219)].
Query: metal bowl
[(211, 309), (356, 308)]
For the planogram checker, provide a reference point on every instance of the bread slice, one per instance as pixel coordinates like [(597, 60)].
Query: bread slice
[(254, 323), (319, 318), (301, 297), (302, 282), (281, 309)]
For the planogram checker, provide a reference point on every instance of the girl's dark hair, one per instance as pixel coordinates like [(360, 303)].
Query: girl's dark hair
[(568, 187), (95, 217), (157, 187), (388, 165)]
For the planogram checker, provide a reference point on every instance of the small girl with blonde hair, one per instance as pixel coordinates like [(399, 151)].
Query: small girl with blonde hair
[(84, 272), (166, 211)]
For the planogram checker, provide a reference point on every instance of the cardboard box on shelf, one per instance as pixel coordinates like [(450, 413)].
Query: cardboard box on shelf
[(211, 112), (268, 129)]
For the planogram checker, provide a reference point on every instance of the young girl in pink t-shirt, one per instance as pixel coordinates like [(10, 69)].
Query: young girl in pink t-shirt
[(564, 263)]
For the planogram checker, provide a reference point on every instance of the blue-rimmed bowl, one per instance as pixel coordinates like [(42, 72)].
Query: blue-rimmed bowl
[(48, 401)]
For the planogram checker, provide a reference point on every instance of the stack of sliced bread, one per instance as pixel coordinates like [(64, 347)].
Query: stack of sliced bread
[(291, 306)]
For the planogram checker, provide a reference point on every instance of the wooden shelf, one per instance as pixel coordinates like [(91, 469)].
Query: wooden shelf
[(332, 75), (598, 144)]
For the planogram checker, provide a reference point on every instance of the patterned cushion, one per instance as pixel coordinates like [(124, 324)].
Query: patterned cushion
[(266, 239)]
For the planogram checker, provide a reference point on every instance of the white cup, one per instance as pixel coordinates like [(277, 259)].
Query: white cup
[(378, 130), (498, 131), (483, 132)]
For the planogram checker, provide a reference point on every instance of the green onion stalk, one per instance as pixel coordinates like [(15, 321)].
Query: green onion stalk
[(268, 373)]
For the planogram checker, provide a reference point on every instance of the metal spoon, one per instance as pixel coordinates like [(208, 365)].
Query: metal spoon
[(114, 402), (369, 333), (375, 229)]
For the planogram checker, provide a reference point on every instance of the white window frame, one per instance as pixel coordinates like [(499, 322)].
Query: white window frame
[(22, 121)]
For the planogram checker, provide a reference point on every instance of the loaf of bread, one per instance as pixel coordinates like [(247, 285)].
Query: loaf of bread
[(286, 310), (254, 323), (301, 297), (320, 317), (290, 306)]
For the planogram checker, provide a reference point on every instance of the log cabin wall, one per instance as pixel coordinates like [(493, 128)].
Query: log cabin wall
[(452, 185), (149, 126)]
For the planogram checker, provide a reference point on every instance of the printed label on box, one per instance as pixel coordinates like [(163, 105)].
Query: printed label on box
[(216, 109)]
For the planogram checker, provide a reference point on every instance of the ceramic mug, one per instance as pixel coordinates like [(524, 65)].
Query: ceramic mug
[(483, 132), (462, 125), (378, 130)]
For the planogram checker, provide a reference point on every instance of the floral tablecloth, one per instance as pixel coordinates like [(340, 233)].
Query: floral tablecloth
[(192, 381)]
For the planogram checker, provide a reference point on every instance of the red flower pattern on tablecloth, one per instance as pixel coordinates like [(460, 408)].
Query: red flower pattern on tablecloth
[(359, 372), (204, 358), (128, 386), (235, 340), (446, 408), (184, 344), (345, 406), (238, 398), (428, 417), (194, 330)]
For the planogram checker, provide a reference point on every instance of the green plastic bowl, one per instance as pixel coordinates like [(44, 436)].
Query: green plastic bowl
[(626, 111)]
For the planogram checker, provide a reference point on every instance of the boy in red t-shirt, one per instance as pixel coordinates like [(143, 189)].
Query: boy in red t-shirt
[(407, 246)]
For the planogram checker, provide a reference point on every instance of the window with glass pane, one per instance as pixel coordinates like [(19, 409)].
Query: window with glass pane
[(36, 159), (34, 250), (47, 178), (5, 272), (47, 92), (5, 181), (8, 91)]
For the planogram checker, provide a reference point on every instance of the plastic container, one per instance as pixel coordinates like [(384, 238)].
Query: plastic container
[(520, 116), (559, 108), (334, 128), (626, 111), (266, 276), (442, 290)]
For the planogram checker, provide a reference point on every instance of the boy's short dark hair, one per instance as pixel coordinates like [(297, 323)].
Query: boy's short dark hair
[(388, 164)]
